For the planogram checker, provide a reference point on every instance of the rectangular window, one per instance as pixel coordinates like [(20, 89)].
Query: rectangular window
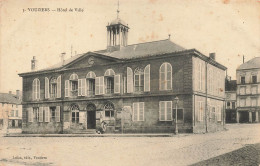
[(243, 80), (53, 90), (41, 114), (138, 111), (253, 102), (109, 85), (242, 102), (36, 114), (91, 87), (254, 79), (75, 117), (254, 89), (233, 105), (12, 113), (165, 111), (242, 90)]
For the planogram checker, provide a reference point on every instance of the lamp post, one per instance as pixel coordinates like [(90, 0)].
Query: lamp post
[(176, 99)]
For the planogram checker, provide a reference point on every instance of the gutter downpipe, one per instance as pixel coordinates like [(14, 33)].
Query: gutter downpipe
[(206, 103)]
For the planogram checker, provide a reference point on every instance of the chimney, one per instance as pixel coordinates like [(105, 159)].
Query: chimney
[(18, 94), (212, 56), (34, 64), (62, 57)]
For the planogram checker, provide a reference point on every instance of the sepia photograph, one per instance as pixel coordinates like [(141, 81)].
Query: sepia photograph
[(133, 83)]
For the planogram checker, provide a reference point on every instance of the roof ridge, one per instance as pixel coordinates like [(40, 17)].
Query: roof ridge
[(148, 42)]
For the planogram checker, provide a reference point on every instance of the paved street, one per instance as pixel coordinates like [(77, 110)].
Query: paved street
[(184, 149)]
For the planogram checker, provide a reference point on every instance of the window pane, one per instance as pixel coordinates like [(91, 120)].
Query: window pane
[(162, 111), (107, 113), (169, 110)]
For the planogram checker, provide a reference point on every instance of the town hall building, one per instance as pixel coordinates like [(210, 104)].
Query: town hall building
[(133, 88)]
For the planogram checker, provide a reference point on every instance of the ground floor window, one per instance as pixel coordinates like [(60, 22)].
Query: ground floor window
[(109, 110), (75, 114), (138, 111), (165, 110)]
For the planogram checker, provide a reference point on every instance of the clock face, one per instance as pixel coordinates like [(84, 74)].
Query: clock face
[(91, 61)]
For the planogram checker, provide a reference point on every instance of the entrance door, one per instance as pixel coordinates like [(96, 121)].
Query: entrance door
[(91, 116), (244, 117), (91, 120)]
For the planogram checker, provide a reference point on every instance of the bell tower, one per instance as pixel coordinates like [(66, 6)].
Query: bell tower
[(117, 33)]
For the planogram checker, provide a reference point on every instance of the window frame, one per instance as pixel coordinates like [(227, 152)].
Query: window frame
[(36, 89), (163, 84), (138, 119), (165, 104)]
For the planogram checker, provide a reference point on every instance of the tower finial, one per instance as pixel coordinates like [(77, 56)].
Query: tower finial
[(118, 9)]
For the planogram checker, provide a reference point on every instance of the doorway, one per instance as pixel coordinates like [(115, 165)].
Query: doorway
[(91, 116), (244, 117)]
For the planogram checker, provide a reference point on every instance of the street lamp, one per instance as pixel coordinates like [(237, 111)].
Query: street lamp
[(176, 99)]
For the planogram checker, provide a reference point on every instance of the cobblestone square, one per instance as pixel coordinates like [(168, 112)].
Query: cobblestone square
[(184, 149)]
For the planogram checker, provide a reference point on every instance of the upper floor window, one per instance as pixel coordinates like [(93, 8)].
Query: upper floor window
[(165, 76), (233, 105), (91, 83), (243, 81), (129, 80), (36, 89), (71, 86), (200, 76), (254, 79), (228, 104), (139, 80), (109, 81), (109, 110), (53, 87)]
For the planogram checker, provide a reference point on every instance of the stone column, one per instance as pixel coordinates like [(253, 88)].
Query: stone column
[(237, 117), (250, 116), (256, 116)]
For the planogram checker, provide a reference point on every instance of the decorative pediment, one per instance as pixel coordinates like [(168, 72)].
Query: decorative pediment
[(90, 59)]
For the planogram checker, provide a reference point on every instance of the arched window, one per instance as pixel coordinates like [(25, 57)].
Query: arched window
[(90, 83), (165, 76), (36, 89), (139, 80), (74, 84), (129, 80), (75, 114), (53, 83), (109, 81), (109, 110)]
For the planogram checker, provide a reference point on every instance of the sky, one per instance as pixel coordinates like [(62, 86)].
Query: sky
[(229, 28)]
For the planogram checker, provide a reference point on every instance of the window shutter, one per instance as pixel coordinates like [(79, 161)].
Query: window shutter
[(147, 78), (168, 110), (47, 114), (41, 114), (59, 87), (38, 89), (129, 80), (101, 87), (83, 87), (169, 77), (81, 117), (87, 88), (141, 112), (33, 91), (117, 84), (162, 82), (47, 92), (30, 114), (57, 114), (135, 107), (97, 85), (79, 87), (67, 88)]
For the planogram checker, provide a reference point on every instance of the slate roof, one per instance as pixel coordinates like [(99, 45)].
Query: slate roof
[(251, 64), (144, 49), (9, 98), (231, 85)]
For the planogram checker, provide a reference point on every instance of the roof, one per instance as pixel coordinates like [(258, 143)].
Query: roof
[(251, 64), (144, 49), (9, 98), (117, 21), (231, 85)]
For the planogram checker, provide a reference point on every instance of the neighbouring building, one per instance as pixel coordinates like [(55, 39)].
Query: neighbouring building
[(248, 91), (10, 110), (231, 100), (130, 87)]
